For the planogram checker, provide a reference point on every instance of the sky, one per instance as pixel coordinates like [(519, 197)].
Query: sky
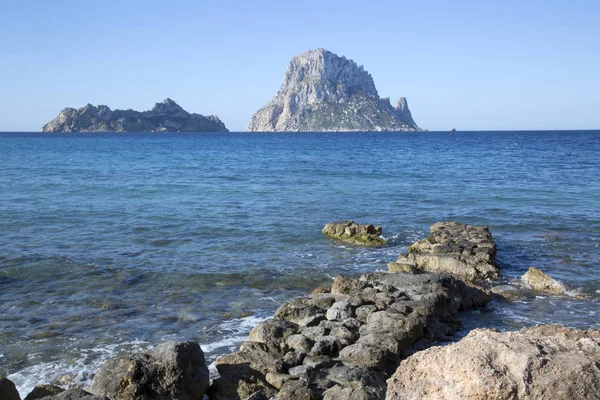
[(469, 65)]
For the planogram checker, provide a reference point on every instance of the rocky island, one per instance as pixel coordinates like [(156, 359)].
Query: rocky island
[(167, 116), (323, 92)]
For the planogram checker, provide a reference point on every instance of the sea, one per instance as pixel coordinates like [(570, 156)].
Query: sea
[(116, 242)]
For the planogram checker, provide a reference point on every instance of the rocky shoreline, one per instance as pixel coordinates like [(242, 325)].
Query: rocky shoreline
[(371, 337)]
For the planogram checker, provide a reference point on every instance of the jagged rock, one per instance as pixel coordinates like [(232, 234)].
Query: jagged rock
[(351, 232), (78, 394), (324, 92), (297, 309), (296, 390), (167, 116), (541, 282), (8, 390), (171, 370), (543, 362), (272, 333), (415, 307), (398, 267), (465, 251), (41, 391)]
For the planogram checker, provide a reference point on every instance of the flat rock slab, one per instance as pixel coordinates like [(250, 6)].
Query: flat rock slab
[(351, 232), (290, 360), (465, 251), (543, 362)]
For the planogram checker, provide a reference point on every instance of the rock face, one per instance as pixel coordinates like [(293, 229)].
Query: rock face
[(351, 232), (465, 251), (543, 362), (541, 282), (324, 92), (340, 345), (8, 390), (171, 370), (167, 116), (75, 394)]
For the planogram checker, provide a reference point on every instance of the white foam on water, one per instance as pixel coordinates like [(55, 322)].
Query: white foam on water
[(82, 369), (235, 331)]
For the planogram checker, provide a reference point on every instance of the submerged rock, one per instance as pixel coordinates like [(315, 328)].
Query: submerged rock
[(507, 292), (351, 232), (8, 390), (324, 92), (543, 362), (167, 116), (465, 251), (541, 282), (171, 370)]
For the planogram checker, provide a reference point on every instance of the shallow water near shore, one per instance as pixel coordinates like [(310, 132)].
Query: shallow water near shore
[(114, 242)]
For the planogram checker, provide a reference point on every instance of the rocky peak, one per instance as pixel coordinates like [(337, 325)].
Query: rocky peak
[(321, 64), (322, 91), (401, 104), (168, 107)]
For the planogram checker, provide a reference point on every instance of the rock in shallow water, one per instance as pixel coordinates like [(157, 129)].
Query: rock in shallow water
[(543, 362), (541, 282), (41, 391), (171, 370), (465, 251), (351, 232)]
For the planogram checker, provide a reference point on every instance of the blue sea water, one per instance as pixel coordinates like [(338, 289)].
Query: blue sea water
[(115, 242)]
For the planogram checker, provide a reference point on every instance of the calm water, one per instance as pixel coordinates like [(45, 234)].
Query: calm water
[(121, 241)]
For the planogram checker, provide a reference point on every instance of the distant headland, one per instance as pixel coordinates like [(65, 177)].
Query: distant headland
[(167, 116), (324, 92)]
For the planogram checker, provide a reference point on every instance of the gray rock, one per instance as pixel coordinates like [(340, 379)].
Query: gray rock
[(170, 370), (296, 390), (8, 390), (339, 311), (41, 391), (465, 251), (312, 320), (320, 362), (326, 346), (351, 232), (323, 301), (301, 371), (293, 359), (277, 380), (272, 333), (363, 312), (363, 355), (314, 332), (167, 116), (324, 92), (297, 309), (300, 343)]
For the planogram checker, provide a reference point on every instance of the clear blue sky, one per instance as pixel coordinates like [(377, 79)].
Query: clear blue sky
[(465, 64)]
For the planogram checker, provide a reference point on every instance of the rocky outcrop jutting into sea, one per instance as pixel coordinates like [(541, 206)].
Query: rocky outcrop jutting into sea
[(322, 91), (167, 116), (465, 251)]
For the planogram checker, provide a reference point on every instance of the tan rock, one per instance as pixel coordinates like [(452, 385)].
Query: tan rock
[(544, 362), (351, 232), (541, 282), (399, 267)]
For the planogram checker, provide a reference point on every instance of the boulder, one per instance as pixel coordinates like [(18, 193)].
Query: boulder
[(542, 362), (541, 282), (465, 251), (8, 390), (41, 391), (171, 370), (362, 355), (351, 232)]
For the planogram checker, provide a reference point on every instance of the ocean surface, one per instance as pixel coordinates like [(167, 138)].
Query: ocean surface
[(113, 242)]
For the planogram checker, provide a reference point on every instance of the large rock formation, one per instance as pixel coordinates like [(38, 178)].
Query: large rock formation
[(8, 390), (167, 116), (544, 362), (171, 370), (465, 251), (324, 92), (340, 345)]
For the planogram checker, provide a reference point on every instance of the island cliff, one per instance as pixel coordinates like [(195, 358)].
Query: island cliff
[(322, 91), (167, 116)]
